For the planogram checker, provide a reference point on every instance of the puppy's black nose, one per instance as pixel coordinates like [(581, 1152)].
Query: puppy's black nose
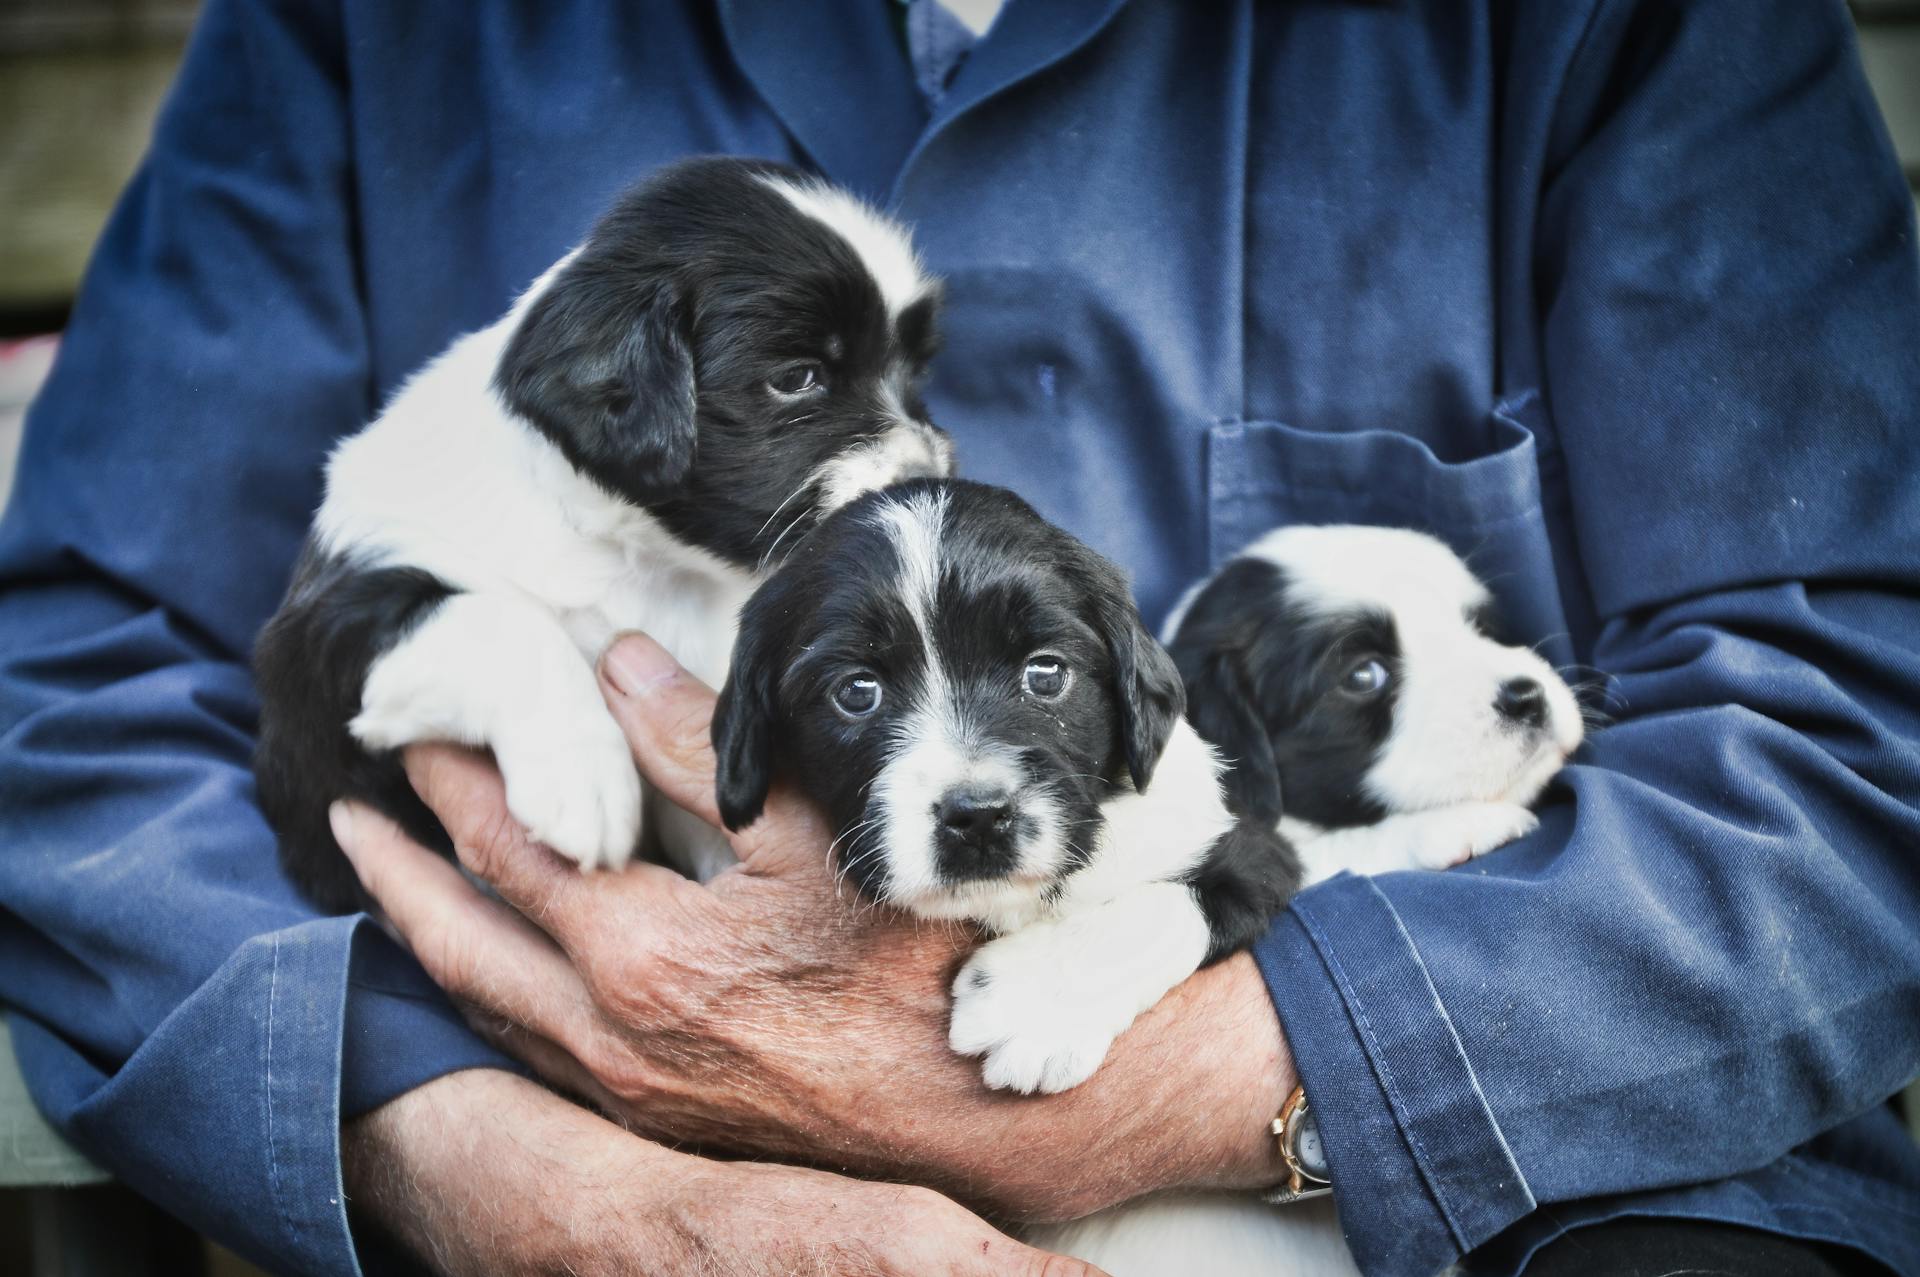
[(1523, 700), (971, 814)]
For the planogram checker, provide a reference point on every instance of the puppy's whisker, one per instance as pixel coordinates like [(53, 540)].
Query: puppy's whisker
[(1601, 687), (761, 530), (766, 558), (842, 866)]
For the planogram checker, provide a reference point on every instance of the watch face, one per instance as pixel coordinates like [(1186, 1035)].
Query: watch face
[(1306, 1147)]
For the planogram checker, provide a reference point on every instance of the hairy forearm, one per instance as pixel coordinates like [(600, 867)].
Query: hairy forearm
[(1221, 1057), (484, 1172)]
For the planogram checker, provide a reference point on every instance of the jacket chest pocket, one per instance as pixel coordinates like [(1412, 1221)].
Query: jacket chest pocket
[(1504, 511)]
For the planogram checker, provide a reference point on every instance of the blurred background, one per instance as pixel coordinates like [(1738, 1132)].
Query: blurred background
[(80, 83)]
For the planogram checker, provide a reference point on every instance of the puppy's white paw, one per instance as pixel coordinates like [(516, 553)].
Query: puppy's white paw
[(1017, 1004), (580, 797), (1458, 834)]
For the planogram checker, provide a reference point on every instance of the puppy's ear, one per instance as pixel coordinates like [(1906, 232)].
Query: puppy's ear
[(743, 727), (1151, 697), (604, 369), (1211, 649), (1221, 707)]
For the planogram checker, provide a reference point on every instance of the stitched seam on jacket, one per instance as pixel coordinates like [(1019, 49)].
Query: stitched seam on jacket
[(1535, 510), (273, 1131), (1388, 1084), (1453, 1036)]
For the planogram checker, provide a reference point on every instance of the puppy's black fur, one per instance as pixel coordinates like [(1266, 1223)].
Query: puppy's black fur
[(309, 664), (648, 361), (1010, 584), (1263, 686)]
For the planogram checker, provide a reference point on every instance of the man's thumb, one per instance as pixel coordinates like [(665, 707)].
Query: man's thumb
[(667, 715)]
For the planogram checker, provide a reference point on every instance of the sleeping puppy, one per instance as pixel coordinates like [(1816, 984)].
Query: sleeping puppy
[(1351, 675), (733, 352), (971, 695)]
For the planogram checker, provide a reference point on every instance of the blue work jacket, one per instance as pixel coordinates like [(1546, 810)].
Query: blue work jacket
[(1618, 297)]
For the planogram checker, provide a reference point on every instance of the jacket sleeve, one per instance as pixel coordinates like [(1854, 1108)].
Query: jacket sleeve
[(1706, 955), (177, 1010)]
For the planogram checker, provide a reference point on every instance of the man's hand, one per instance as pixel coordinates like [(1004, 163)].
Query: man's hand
[(772, 1012), (487, 1174)]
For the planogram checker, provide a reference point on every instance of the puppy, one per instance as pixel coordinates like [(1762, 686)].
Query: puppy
[(1352, 676), (970, 693), (733, 352)]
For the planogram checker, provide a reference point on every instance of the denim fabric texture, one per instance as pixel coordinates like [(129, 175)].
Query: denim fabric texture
[(1620, 298)]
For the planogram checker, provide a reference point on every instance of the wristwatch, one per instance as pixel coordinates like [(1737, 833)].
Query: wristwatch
[(1306, 1160)]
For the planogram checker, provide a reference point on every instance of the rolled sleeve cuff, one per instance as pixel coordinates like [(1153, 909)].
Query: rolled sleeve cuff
[(400, 1031), (228, 1115), (1421, 1171)]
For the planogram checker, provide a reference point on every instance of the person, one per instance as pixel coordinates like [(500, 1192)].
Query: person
[(1618, 295)]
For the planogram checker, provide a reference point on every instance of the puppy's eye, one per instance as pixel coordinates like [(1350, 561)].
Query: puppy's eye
[(800, 379), (1046, 677), (858, 696), (1366, 678)]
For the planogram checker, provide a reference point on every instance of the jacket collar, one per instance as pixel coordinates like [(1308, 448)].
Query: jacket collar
[(842, 87)]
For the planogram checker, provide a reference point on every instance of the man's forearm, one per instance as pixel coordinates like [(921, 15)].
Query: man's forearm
[(484, 1172)]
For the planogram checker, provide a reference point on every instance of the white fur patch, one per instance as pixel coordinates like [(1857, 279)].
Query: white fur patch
[(879, 241), (932, 760), (905, 451), (1162, 833), (1207, 1234), (914, 524), (1436, 839)]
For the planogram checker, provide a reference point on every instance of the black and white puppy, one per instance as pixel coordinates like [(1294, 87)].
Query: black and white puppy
[(1351, 676), (733, 352), (970, 693)]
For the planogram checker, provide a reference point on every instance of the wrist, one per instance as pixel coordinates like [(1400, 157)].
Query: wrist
[(1241, 1073), (1186, 1100)]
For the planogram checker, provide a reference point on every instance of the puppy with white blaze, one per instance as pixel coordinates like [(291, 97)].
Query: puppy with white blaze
[(971, 695), (1353, 678), (733, 352)]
